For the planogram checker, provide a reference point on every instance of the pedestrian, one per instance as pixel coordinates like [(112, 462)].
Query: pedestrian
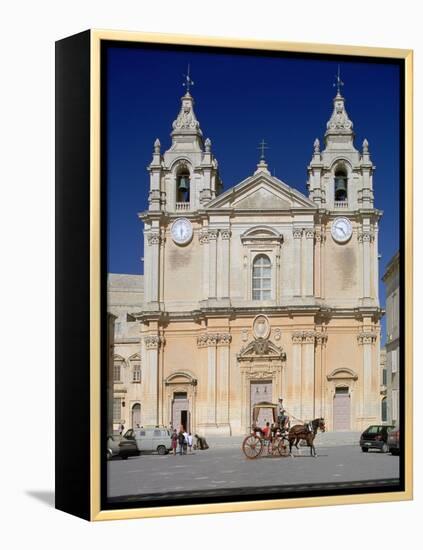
[(121, 428), (181, 440), (190, 442), (174, 439), (185, 442)]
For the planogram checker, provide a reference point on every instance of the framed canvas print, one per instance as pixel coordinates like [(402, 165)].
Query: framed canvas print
[(234, 278)]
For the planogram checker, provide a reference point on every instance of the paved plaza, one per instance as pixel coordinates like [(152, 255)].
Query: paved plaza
[(224, 467)]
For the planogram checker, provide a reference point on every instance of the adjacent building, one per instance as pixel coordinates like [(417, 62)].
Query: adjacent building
[(391, 278), (253, 293)]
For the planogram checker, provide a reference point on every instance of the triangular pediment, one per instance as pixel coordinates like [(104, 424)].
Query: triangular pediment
[(261, 192)]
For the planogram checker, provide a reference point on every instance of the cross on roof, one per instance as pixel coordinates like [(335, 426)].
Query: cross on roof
[(338, 83), (188, 81), (262, 146)]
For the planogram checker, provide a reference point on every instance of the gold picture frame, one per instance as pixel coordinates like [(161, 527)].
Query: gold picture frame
[(87, 503)]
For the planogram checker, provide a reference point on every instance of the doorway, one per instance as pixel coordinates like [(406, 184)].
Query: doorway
[(181, 411), (342, 410), (136, 415)]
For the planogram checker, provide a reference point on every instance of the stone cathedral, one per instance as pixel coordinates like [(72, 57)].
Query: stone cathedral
[(282, 299)]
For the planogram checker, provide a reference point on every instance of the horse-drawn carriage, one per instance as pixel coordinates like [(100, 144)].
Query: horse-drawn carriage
[(272, 442), (278, 439)]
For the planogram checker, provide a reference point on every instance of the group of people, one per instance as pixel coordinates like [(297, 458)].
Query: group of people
[(182, 439)]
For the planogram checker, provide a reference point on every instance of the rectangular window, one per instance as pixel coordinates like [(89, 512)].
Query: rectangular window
[(116, 372), (136, 373), (117, 410), (384, 377), (394, 361), (394, 405)]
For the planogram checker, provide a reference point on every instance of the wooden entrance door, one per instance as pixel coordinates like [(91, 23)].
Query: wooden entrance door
[(342, 410), (261, 391)]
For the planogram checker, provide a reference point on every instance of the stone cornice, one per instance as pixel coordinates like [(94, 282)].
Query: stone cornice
[(314, 310)]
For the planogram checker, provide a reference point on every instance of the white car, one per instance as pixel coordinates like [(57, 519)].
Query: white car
[(150, 439)]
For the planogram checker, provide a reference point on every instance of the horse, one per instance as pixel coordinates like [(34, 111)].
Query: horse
[(300, 431)]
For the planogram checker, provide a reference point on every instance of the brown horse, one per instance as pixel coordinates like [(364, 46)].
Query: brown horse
[(301, 431)]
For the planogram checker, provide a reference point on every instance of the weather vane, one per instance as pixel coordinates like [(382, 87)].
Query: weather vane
[(188, 82), (338, 82), (262, 146)]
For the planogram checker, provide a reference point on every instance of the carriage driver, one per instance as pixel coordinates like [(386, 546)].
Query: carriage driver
[(282, 416)]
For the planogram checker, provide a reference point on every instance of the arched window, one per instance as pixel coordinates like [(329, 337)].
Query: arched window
[(182, 185), (341, 185), (262, 278)]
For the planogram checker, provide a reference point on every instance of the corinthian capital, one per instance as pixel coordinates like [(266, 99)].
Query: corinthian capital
[(153, 342), (153, 238)]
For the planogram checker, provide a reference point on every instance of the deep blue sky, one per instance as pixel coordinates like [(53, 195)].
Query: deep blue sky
[(240, 100)]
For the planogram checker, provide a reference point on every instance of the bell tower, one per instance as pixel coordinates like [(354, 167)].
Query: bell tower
[(186, 176), (340, 177)]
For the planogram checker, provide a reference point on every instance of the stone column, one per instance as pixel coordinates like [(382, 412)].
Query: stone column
[(204, 241), (150, 380), (294, 400), (223, 383), (297, 235), (368, 396), (224, 267), (211, 379), (307, 376), (212, 234), (153, 239), (317, 264), (319, 381), (365, 237), (308, 263)]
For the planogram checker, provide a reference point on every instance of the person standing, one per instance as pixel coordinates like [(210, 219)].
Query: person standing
[(181, 440), (190, 442), (185, 442), (174, 440)]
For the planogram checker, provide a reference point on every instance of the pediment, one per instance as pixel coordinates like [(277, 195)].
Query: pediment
[(342, 373), (261, 192), (261, 348), (181, 377)]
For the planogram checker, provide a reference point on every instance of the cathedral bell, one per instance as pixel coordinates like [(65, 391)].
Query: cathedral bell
[(183, 184), (340, 188)]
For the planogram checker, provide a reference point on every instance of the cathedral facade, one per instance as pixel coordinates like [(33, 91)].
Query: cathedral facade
[(253, 293)]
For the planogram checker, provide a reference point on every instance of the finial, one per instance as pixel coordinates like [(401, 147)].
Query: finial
[(262, 146), (157, 146), (338, 83), (316, 146), (207, 144), (188, 81), (365, 146)]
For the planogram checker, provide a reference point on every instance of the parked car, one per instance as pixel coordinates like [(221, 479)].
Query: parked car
[(150, 439), (394, 441), (121, 447), (375, 437)]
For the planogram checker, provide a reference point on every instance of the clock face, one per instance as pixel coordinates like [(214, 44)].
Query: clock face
[(181, 231), (341, 230)]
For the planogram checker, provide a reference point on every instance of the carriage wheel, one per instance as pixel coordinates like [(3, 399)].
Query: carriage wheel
[(274, 447), (283, 448), (252, 446)]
